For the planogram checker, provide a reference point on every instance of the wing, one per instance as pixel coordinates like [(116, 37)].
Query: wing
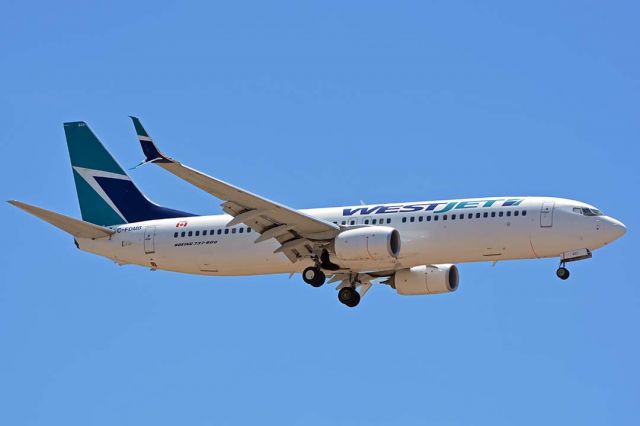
[(299, 234)]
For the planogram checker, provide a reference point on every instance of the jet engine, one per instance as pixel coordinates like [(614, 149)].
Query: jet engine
[(427, 279), (371, 243)]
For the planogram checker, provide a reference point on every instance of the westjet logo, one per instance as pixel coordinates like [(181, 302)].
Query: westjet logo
[(442, 207)]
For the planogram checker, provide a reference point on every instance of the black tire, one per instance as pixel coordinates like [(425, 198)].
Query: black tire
[(349, 296), (313, 276), (320, 279), (355, 301), (563, 273)]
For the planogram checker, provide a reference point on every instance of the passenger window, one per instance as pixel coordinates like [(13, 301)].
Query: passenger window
[(486, 214), (249, 228), (509, 213), (524, 212), (373, 221), (344, 222), (493, 214), (412, 219), (514, 213), (219, 231), (453, 216), (190, 233), (197, 233), (212, 232), (353, 222), (175, 235), (233, 230), (501, 214), (462, 216), (435, 218), (226, 231), (389, 220), (470, 216), (182, 234), (477, 215), (404, 219), (366, 221), (241, 230), (428, 218), (420, 218), (444, 217)]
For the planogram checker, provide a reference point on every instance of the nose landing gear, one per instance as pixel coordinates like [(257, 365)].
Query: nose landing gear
[(562, 272), (571, 256)]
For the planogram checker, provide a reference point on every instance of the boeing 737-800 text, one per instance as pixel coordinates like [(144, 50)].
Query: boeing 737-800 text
[(412, 247)]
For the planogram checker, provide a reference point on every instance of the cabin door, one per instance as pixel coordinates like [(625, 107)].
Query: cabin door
[(546, 214), (149, 239)]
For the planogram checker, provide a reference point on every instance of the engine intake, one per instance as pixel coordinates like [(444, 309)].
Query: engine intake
[(427, 279), (368, 243)]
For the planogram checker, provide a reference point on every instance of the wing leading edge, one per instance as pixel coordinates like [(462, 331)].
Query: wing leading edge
[(300, 235)]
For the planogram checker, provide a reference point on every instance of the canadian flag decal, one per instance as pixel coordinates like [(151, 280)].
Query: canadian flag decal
[(182, 224)]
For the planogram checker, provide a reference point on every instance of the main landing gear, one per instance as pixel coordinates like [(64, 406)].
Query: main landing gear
[(353, 287), (313, 276), (349, 296)]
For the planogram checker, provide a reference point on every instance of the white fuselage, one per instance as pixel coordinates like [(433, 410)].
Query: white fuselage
[(533, 227)]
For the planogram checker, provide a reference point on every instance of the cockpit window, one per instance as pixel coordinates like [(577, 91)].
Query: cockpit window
[(587, 211)]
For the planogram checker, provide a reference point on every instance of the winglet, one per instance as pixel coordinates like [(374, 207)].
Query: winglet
[(151, 151)]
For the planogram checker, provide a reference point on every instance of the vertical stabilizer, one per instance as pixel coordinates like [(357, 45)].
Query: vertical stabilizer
[(106, 194)]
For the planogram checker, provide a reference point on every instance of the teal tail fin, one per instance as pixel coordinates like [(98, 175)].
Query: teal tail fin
[(107, 195)]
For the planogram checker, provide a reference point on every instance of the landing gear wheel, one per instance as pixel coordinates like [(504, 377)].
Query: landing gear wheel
[(349, 296), (313, 276), (562, 273)]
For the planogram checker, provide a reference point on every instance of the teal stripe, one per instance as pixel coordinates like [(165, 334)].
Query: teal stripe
[(86, 150)]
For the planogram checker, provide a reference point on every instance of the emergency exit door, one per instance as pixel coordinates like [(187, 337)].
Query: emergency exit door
[(149, 237), (546, 214)]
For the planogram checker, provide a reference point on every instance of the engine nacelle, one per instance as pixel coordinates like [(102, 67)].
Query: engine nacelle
[(368, 243), (428, 279)]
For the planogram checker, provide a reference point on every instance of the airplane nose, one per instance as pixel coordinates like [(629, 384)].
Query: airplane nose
[(616, 228)]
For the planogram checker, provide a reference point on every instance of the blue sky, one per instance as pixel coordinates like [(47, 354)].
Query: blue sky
[(321, 104)]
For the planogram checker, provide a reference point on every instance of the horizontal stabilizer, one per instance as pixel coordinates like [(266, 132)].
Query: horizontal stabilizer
[(75, 227)]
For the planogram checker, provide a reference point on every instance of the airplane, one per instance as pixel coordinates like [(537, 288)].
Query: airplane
[(412, 247)]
